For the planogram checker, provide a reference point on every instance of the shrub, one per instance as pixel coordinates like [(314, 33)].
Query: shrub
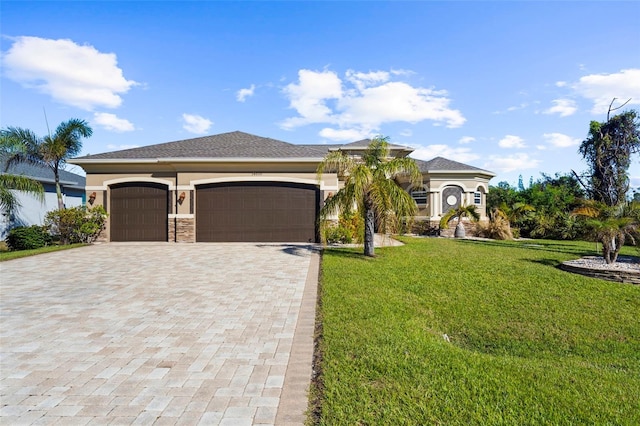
[(497, 228), (76, 224), (423, 227), (353, 225), (349, 229), (28, 237), (334, 234)]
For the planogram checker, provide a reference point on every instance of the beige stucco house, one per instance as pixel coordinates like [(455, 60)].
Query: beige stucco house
[(241, 187)]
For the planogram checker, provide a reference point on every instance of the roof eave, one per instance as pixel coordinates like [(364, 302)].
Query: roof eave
[(80, 161), (469, 172), (46, 180)]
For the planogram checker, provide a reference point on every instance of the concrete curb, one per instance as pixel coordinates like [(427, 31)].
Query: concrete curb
[(294, 399)]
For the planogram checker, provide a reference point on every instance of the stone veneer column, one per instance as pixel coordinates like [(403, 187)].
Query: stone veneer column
[(172, 230), (185, 231)]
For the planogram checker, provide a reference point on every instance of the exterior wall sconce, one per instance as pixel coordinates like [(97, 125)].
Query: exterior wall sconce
[(181, 198), (92, 198)]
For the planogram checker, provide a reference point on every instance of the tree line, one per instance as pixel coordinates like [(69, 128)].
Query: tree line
[(597, 205)]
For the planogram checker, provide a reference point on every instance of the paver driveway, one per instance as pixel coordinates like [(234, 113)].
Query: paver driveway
[(158, 333)]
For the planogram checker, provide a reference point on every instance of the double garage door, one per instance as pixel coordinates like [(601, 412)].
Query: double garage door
[(256, 212), (229, 212)]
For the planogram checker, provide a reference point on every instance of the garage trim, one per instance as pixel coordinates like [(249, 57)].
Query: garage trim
[(229, 179)]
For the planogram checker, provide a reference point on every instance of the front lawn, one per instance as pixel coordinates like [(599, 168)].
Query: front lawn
[(444, 331), (10, 255)]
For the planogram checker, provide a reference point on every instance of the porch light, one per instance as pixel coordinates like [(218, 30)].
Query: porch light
[(181, 198), (92, 197)]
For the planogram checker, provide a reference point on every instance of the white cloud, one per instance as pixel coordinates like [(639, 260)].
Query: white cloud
[(466, 139), (364, 101), (510, 163), (563, 107), (602, 88), (349, 135), (561, 83), (512, 108), (362, 80), (243, 94), (112, 122), (517, 107), (560, 140), (407, 133), (511, 141), (119, 147), (72, 74), (429, 152), (309, 97), (196, 124)]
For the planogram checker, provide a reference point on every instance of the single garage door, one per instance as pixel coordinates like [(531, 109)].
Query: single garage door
[(256, 212), (139, 212)]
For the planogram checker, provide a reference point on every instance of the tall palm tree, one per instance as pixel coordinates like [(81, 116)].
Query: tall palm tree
[(370, 185), (611, 225), (51, 150), (459, 212)]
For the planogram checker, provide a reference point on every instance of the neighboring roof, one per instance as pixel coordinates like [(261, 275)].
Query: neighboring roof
[(43, 174), (441, 164)]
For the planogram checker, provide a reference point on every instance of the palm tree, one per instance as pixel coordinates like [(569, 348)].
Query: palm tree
[(370, 186), (513, 214), (459, 212), (11, 182), (51, 150), (611, 225)]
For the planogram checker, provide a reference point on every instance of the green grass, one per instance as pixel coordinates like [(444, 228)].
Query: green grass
[(10, 255), (529, 344)]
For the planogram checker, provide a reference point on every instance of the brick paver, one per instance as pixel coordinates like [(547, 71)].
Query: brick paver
[(158, 333)]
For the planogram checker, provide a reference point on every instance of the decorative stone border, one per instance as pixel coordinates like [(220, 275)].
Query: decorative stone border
[(620, 276)]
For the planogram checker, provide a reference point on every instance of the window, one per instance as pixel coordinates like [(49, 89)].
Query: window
[(477, 198), (419, 195)]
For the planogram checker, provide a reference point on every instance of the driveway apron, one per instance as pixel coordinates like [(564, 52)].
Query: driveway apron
[(158, 333)]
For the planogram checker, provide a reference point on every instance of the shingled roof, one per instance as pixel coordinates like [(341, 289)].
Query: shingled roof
[(441, 164), (225, 145), (244, 146), (236, 145)]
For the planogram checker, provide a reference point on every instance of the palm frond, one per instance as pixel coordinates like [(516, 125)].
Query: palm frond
[(335, 162), (9, 183)]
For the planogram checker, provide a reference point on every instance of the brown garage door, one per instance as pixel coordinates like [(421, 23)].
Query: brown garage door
[(139, 212), (256, 212)]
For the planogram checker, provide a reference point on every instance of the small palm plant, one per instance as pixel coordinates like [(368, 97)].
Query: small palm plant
[(459, 212), (611, 225)]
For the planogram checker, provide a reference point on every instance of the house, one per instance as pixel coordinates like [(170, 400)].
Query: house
[(241, 187), (32, 211)]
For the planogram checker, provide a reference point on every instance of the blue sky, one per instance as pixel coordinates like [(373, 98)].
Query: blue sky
[(506, 86)]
